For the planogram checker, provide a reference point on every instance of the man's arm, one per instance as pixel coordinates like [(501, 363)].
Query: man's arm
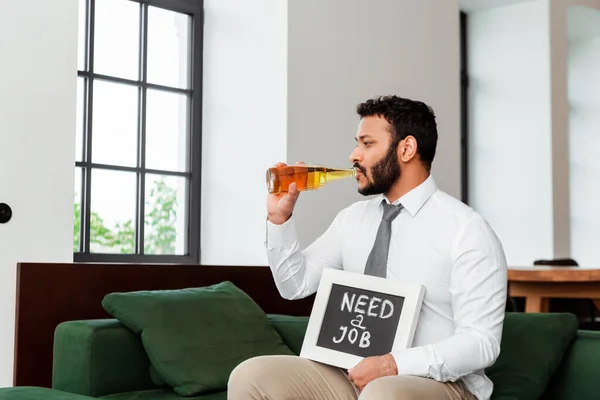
[(297, 273), (478, 289)]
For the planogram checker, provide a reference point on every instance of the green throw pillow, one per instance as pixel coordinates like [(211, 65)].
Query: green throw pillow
[(195, 337), (532, 347)]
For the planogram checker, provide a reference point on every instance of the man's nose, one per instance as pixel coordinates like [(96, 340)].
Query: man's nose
[(355, 156)]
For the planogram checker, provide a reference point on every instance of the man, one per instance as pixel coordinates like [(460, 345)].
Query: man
[(435, 240)]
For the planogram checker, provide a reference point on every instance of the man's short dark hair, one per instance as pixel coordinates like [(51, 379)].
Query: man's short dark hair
[(407, 118)]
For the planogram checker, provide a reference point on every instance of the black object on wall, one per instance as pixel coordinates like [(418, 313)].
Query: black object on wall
[(5, 213)]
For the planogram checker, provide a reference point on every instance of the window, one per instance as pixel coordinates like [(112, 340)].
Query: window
[(138, 147)]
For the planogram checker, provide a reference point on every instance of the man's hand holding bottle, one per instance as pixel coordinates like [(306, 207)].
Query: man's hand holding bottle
[(281, 205)]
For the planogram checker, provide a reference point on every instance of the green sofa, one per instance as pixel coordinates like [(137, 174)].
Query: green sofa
[(104, 359)]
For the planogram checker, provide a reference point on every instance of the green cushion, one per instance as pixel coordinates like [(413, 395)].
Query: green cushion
[(531, 351), (195, 337)]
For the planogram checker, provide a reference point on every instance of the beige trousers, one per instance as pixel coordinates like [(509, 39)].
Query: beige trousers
[(295, 378)]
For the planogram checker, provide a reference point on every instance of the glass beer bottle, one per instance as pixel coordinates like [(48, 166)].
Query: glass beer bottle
[(305, 177)]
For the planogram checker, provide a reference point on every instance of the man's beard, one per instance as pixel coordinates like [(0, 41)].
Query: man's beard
[(385, 173)]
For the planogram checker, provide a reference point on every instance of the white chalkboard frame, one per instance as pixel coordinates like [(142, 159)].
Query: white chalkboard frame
[(413, 298)]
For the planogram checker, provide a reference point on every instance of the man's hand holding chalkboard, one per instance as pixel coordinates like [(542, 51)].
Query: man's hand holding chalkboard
[(371, 368)]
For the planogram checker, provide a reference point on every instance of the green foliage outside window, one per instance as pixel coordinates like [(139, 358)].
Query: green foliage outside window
[(160, 231)]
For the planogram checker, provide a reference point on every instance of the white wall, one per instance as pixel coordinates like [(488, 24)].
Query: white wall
[(584, 132), (510, 171), (244, 124), (38, 43), (342, 52)]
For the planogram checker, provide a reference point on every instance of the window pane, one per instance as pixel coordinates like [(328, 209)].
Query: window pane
[(164, 223), (79, 130), (117, 38), (166, 131), (81, 35), (168, 48), (77, 210), (115, 124), (112, 223)]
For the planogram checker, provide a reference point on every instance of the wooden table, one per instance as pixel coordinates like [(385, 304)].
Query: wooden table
[(538, 284)]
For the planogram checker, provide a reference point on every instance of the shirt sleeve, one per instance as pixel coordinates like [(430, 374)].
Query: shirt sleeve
[(297, 272), (478, 292)]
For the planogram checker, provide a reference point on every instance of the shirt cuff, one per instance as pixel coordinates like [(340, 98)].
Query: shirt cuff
[(281, 235), (412, 361)]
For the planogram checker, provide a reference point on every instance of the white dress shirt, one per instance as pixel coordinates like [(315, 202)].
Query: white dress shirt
[(438, 242)]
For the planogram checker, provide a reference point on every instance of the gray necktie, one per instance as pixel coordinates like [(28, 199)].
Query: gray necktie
[(377, 261)]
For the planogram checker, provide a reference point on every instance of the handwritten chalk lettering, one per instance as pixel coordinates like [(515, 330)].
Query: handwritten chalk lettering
[(348, 304), (357, 322), (362, 305), (352, 336), (365, 340)]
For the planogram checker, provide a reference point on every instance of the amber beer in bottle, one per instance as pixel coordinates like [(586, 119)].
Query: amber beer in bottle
[(279, 179)]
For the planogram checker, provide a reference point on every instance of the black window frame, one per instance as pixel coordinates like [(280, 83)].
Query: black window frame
[(194, 8), (464, 110)]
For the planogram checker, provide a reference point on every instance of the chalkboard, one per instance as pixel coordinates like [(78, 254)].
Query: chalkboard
[(356, 316), (360, 322)]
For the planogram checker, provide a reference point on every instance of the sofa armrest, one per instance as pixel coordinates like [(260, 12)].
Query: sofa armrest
[(577, 376), (291, 329), (99, 357)]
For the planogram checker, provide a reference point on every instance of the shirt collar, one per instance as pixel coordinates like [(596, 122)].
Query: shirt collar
[(417, 197)]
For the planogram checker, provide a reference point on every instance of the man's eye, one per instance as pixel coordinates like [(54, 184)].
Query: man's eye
[(367, 143)]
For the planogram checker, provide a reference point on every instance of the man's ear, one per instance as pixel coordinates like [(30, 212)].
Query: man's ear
[(407, 149)]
